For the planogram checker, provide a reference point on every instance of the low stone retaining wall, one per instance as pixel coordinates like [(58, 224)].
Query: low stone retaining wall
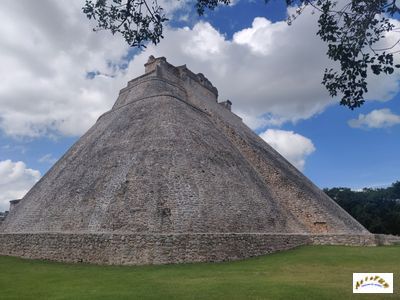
[(344, 239), (355, 240), (387, 239), (139, 249)]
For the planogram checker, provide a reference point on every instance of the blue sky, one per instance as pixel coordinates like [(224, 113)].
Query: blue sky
[(270, 71)]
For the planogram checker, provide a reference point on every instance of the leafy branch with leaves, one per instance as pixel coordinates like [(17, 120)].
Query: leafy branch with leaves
[(351, 33), (138, 21)]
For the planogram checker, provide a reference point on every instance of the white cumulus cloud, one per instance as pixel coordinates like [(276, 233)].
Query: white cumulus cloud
[(378, 118), (47, 48), (15, 180), (293, 146)]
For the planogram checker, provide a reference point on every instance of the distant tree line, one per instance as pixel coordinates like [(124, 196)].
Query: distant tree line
[(377, 209)]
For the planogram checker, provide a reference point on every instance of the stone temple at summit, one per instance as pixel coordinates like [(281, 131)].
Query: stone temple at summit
[(170, 175)]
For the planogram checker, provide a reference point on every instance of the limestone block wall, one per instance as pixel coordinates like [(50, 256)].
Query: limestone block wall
[(344, 239), (138, 249), (387, 239)]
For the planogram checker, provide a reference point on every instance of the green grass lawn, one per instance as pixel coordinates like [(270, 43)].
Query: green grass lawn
[(310, 272)]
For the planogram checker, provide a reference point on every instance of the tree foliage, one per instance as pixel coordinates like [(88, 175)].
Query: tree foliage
[(136, 20), (352, 30), (377, 209)]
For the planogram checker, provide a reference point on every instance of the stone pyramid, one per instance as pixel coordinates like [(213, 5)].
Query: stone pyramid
[(170, 175)]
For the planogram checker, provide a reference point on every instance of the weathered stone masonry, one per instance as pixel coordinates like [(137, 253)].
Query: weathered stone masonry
[(170, 175), (136, 249)]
